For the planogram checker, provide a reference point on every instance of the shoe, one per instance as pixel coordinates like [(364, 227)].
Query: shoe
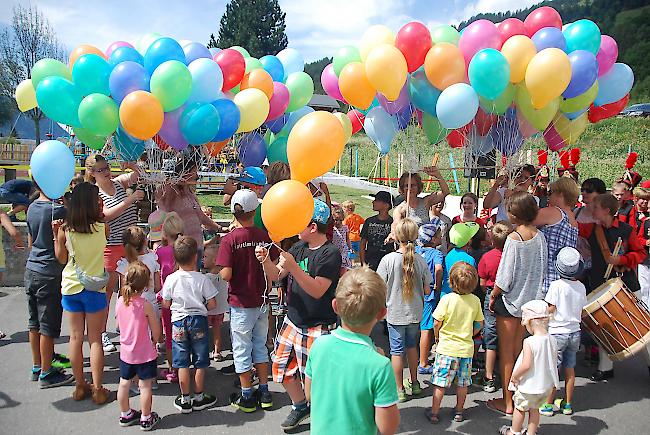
[(599, 376), (106, 343), (265, 399), (228, 370), (133, 418), (34, 374), (489, 386), (100, 395), (61, 361), (412, 389), (295, 417), (170, 375), (567, 409), (546, 410), (401, 396), (54, 378), (183, 407), (243, 404), (207, 401), (82, 391), (425, 370), (149, 424)]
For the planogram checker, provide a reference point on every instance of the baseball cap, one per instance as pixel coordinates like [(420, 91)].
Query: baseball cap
[(461, 233), (246, 199), (427, 231), (155, 222), (569, 263), (252, 175), (321, 212), (535, 309), (384, 196)]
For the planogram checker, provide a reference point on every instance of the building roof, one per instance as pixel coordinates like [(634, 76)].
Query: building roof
[(324, 101)]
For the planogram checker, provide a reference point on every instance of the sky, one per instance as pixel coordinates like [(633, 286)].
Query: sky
[(317, 28)]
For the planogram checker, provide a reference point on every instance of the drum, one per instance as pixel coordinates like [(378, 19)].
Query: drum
[(617, 319)]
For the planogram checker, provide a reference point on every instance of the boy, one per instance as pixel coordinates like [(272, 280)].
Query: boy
[(458, 317), (626, 207), (215, 317), (366, 376), (354, 223), (487, 272), (460, 235), (247, 289), (187, 292), (375, 230), (566, 297), (251, 177)]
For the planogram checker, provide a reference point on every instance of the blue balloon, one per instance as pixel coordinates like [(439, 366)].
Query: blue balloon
[(478, 145), (582, 35), (403, 117), (549, 37), (199, 123), (505, 134), (127, 77), (489, 73), (381, 128), (291, 60), (214, 51), (90, 74), (575, 115), (273, 66), (277, 124), (162, 50), (128, 148), (295, 116), (457, 106), (252, 149), (52, 165), (59, 99), (614, 85), (423, 94), (195, 50), (229, 118), (124, 54), (584, 72)]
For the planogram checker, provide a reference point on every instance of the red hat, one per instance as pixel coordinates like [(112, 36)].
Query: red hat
[(569, 160), (542, 171), (631, 178), (645, 184)]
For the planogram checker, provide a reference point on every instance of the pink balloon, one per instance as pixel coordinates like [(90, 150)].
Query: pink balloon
[(278, 102), (115, 45), (477, 36), (553, 139), (419, 115), (542, 17), (511, 27), (331, 83), (392, 107), (607, 54)]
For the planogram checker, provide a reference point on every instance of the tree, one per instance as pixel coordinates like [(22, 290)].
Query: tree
[(256, 25), (29, 39)]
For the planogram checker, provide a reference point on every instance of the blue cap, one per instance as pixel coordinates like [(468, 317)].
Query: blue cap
[(321, 212), (252, 175)]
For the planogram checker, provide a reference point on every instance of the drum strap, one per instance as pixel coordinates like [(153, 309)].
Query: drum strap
[(602, 242)]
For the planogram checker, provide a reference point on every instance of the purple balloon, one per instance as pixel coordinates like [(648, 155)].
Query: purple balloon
[(279, 101), (584, 72), (252, 150), (116, 45), (277, 124), (170, 131), (505, 134), (127, 77), (331, 83), (404, 116), (607, 54), (194, 51), (399, 104), (549, 37)]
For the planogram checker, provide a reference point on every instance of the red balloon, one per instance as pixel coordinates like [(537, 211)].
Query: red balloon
[(356, 118), (542, 17), (233, 67), (484, 121), (457, 138), (607, 110), (511, 27), (414, 41)]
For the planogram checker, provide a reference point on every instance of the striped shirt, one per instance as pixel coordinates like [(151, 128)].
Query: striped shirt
[(128, 217)]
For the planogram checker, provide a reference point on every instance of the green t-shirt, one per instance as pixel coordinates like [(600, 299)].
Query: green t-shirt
[(349, 378)]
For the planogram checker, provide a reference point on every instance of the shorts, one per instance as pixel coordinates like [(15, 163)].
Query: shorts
[(525, 402), (356, 246), (426, 323), (44, 303), (500, 307), (402, 337), (292, 348), (478, 338), (446, 369), (112, 254), (249, 328), (490, 341), (85, 301), (567, 348), (190, 343), (148, 370)]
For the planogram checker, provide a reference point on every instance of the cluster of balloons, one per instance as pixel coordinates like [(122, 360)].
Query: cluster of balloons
[(487, 86)]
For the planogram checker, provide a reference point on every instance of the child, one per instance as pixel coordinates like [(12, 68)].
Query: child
[(155, 223), (535, 372), (187, 292), (375, 230), (409, 280), (215, 317), (460, 236), (138, 323), (458, 317), (367, 375), (354, 222), (341, 239), (487, 272), (566, 297)]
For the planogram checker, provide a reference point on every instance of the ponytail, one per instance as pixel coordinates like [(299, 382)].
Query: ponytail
[(133, 240), (137, 279), (406, 233)]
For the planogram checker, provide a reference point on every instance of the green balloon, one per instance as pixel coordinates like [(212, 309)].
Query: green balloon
[(87, 138), (59, 99), (433, 128), (236, 89), (277, 151), (445, 33), (242, 50), (171, 83), (501, 103), (47, 68), (257, 220), (269, 137), (538, 118), (252, 63), (99, 114), (580, 102), (301, 89), (90, 74), (344, 56)]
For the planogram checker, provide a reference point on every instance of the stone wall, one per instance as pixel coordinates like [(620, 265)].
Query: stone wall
[(15, 260)]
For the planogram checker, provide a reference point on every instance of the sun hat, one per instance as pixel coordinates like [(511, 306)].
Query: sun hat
[(461, 233), (535, 309), (569, 263), (246, 199), (427, 231), (155, 222), (321, 212), (252, 175)]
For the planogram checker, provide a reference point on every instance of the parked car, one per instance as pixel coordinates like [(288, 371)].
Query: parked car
[(642, 109)]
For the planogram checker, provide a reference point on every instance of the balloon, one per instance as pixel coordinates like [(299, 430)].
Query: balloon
[(229, 118), (549, 37), (386, 70), (241, 50), (542, 17), (127, 77), (194, 51), (582, 35), (214, 51), (170, 131), (330, 82), (346, 124), (457, 105), (456, 138), (114, 46), (141, 115), (233, 67), (59, 99), (258, 79), (511, 27), (598, 113), (162, 50), (381, 128), (445, 33), (48, 68), (145, 42), (253, 107), (355, 86), (483, 121), (479, 145), (25, 95), (584, 72), (444, 65), (277, 151), (207, 80), (570, 130), (375, 103), (292, 61), (414, 41), (518, 51), (611, 87), (403, 117), (52, 166), (581, 102), (199, 123), (295, 116), (399, 104), (252, 149), (90, 74), (501, 103), (538, 118), (171, 84), (505, 134), (87, 138), (344, 56), (213, 149), (356, 119), (82, 49), (277, 124), (285, 218), (607, 54), (124, 54), (99, 115), (374, 36), (252, 64), (433, 129), (273, 66), (423, 95), (279, 101), (301, 89), (547, 76), (489, 73), (477, 36), (525, 128), (315, 145), (128, 148)]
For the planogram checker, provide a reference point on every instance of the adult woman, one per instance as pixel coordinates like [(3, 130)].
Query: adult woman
[(120, 212), (499, 192), (469, 208), (414, 207)]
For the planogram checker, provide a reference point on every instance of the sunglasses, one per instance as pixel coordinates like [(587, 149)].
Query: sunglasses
[(101, 170)]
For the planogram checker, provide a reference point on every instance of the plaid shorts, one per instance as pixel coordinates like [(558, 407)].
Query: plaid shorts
[(447, 368), (292, 348)]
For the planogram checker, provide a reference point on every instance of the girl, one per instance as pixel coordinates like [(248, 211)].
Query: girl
[(341, 239), (215, 317), (469, 207), (137, 322), (80, 244), (409, 279)]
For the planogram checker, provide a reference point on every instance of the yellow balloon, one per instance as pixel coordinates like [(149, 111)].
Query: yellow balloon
[(346, 123), (570, 130), (315, 145), (386, 70), (518, 50), (538, 118), (375, 35), (254, 108), (547, 76), (355, 87), (26, 95), (580, 102), (287, 209)]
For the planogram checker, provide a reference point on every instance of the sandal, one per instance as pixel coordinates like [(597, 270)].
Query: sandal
[(100, 395), (433, 418), (218, 357), (505, 430), (490, 405), (81, 391), (458, 416)]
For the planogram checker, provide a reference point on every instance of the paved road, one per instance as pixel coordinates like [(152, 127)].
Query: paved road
[(621, 406)]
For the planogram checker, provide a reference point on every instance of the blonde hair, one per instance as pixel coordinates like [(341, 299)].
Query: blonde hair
[(406, 233), (348, 205), (642, 193), (567, 188), (172, 227), (500, 232), (137, 279), (463, 278), (91, 161), (541, 322), (134, 239), (360, 296)]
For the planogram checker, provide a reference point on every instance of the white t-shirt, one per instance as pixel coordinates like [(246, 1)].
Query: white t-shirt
[(542, 376), (569, 297), (189, 292), (222, 295), (150, 259)]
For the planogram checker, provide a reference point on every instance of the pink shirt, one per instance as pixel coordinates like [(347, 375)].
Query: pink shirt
[(166, 260), (136, 346), (184, 202)]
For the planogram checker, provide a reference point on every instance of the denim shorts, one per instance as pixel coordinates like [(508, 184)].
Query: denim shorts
[(490, 341), (446, 369), (402, 337), (44, 303), (148, 370), (190, 343), (249, 328), (567, 347), (85, 301)]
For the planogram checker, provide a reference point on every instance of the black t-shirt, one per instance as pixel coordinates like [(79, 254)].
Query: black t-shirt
[(305, 311), (375, 232)]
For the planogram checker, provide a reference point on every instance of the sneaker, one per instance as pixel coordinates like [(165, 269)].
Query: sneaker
[(61, 361), (54, 378), (412, 389), (265, 399), (599, 376), (566, 409), (133, 418), (489, 386), (425, 370), (401, 396), (184, 407), (34, 374), (295, 417), (246, 405), (151, 422), (207, 401), (106, 343), (546, 410)]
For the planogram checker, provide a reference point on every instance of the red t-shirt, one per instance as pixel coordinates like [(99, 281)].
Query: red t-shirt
[(459, 219), (237, 250), (488, 266)]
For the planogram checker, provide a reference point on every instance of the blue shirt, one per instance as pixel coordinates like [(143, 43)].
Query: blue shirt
[(433, 257), (454, 256), (39, 224)]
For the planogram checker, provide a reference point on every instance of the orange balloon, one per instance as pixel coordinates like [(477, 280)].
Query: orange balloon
[(287, 209), (141, 115), (518, 50), (444, 65), (355, 86), (258, 79), (315, 145), (214, 148), (386, 70), (82, 49)]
